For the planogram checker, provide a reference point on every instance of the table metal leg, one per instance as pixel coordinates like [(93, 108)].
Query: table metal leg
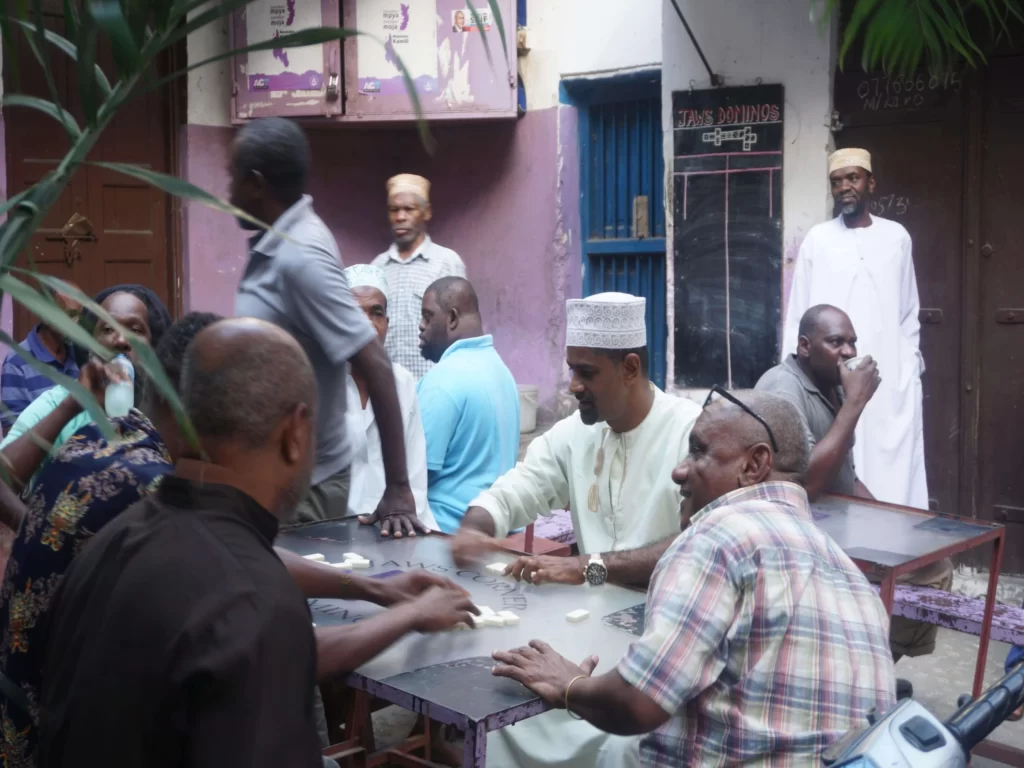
[(887, 591), (474, 754), (986, 622)]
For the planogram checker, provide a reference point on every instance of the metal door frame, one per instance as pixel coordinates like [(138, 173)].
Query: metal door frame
[(583, 93)]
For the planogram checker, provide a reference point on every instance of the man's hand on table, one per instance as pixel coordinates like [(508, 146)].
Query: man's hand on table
[(469, 545), (440, 609), (396, 513), (542, 670), (409, 586), (540, 569)]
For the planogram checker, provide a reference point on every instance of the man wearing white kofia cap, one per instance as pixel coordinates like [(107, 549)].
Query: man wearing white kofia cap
[(370, 289), (863, 265), (611, 466), (412, 263)]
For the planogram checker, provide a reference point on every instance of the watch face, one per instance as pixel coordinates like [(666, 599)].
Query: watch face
[(596, 574)]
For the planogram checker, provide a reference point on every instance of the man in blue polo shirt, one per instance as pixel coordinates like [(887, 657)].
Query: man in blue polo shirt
[(469, 402), (20, 383)]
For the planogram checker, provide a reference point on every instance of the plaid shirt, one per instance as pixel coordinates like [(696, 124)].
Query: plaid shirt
[(20, 383), (763, 641), (407, 281)]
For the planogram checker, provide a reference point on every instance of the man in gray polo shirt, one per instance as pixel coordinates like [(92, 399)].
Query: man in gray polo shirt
[(294, 279), (830, 398)]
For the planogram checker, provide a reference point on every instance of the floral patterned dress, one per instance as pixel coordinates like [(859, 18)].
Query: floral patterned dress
[(79, 490)]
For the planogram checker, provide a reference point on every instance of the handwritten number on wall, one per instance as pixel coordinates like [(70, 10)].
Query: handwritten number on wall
[(890, 205), (904, 91)]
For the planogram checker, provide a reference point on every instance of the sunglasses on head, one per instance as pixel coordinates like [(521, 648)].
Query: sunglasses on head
[(717, 390)]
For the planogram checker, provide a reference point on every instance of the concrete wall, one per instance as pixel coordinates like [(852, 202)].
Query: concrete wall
[(774, 41), (505, 194), (570, 38)]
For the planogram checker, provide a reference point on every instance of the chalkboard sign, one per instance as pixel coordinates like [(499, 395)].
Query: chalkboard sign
[(727, 250)]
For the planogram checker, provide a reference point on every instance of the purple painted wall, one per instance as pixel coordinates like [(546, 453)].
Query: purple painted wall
[(213, 244), (505, 197)]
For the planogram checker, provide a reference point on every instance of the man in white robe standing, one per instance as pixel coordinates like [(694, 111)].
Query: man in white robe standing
[(611, 466), (863, 264)]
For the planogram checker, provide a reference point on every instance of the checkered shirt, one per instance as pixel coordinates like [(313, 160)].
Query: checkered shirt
[(407, 281), (763, 641)]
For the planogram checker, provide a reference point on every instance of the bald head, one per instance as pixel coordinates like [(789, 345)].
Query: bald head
[(827, 340), (450, 313), (242, 377), (455, 293), (819, 315)]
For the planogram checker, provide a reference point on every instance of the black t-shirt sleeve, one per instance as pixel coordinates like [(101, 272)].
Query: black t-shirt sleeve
[(247, 688)]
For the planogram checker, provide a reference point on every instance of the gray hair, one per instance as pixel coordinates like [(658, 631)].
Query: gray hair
[(786, 424), (241, 390)]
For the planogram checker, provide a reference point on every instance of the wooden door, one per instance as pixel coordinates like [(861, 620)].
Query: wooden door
[(1001, 307), (913, 128), (130, 220)]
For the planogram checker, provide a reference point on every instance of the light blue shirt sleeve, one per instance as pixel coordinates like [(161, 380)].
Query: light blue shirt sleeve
[(36, 411), (440, 415)]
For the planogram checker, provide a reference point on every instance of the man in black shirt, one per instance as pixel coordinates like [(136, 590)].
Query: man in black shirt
[(178, 637)]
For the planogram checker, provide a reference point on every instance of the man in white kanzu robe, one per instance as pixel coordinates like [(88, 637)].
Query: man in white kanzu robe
[(611, 466), (864, 265), (370, 289)]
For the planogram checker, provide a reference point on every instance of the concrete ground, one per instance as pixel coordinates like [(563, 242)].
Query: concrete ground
[(940, 678)]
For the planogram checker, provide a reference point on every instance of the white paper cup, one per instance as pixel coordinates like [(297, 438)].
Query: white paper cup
[(851, 365)]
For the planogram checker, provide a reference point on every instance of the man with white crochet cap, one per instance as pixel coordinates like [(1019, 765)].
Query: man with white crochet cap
[(370, 289), (611, 466), (864, 265), (412, 263)]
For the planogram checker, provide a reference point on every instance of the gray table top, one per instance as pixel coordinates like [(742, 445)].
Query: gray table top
[(890, 536), (452, 669)]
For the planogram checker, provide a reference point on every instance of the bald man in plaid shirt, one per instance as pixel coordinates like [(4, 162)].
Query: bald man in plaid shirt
[(763, 642), (412, 263)]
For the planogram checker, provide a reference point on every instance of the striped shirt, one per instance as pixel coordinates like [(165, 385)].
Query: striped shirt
[(763, 641), (20, 383), (407, 281)]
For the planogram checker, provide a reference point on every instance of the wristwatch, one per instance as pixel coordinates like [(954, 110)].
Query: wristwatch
[(595, 571)]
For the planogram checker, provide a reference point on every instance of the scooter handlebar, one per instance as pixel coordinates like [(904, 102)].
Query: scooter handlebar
[(973, 722)]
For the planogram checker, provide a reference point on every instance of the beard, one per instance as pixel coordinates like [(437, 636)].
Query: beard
[(852, 207), (431, 352), (293, 495)]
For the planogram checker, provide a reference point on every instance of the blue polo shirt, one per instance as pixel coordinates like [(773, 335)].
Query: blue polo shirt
[(20, 383), (469, 403)]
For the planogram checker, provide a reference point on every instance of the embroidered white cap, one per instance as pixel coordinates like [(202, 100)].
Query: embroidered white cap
[(409, 182), (367, 276), (606, 321), (846, 158)]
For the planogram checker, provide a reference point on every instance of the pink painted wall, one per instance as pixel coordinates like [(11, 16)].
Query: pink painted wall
[(505, 197), (213, 244)]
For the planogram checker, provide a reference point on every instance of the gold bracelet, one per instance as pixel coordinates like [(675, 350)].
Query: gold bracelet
[(569, 711)]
